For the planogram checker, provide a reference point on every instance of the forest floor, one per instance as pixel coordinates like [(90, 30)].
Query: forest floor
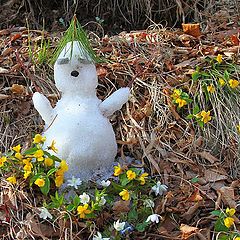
[(181, 125)]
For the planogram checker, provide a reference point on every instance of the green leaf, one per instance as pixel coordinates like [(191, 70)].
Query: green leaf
[(45, 189), (194, 180), (30, 151), (216, 212), (141, 226), (132, 215), (51, 171), (76, 201), (116, 186), (196, 109), (219, 226), (123, 179), (190, 116), (71, 207), (226, 75), (195, 76)]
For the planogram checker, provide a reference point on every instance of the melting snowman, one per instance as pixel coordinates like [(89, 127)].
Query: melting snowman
[(79, 123)]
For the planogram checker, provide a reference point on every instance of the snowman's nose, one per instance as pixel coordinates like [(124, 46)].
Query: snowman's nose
[(74, 73)]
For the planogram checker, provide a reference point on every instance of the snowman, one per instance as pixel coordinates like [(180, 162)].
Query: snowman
[(79, 122)]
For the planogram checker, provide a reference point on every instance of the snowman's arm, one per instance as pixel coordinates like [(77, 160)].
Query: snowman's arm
[(115, 101), (43, 106)]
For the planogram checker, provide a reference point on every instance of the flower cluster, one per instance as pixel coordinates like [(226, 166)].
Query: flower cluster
[(180, 98), (35, 165)]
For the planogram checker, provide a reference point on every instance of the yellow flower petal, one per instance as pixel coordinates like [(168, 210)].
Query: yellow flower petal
[(230, 211), (131, 175), (48, 162), (181, 102), (219, 58), (40, 182), (211, 88), (39, 139), (221, 82), (233, 83), (124, 194), (17, 148), (12, 179), (117, 170), (228, 222)]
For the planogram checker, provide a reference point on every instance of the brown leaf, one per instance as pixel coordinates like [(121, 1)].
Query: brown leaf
[(191, 211), (213, 176), (18, 89), (121, 206), (195, 196), (227, 196), (187, 231), (4, 32), (192, 29), (208, 156)]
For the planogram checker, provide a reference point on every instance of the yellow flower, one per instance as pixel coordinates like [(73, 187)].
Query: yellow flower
[(238, 128), (63, 165), (176, 94), (181, 102), (39, 155), (236, 238), (28, 167), (124, 194), (230, 212), (2, 161), (39, 139), (142, 178), (12, 179), (40, 182), (221, 82), (26, 174), (228, 222), (219, 58), (131, 175), (59, 180), (48, 162), (205, 116), (233, 83), (17, 148), (52, 147), (211, 88), (18, 156), (83, 210), (117, 170)]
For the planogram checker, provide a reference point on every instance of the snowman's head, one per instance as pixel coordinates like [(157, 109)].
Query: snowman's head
[(74, 71)]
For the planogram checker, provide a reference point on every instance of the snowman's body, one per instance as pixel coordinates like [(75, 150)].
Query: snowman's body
[(79, 123)]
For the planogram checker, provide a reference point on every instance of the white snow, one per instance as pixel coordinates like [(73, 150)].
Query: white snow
[(79, 124)]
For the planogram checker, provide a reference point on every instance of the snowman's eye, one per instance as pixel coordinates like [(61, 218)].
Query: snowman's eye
[(74, 73)]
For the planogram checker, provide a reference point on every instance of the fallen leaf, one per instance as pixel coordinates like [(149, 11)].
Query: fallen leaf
[(187, 231), (121, 206), (208, 156), (18, 89), (192, 29), (191, 211), (101, 72), (195, 196), (227, 196), (213, 176)]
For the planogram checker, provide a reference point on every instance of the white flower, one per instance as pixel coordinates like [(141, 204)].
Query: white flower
[(99, 237), (153, 218), (44, 214), (74, 182), (84, 198), (159, 188), (105, 183), (102, 201), (148, 203), (118, 226)]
